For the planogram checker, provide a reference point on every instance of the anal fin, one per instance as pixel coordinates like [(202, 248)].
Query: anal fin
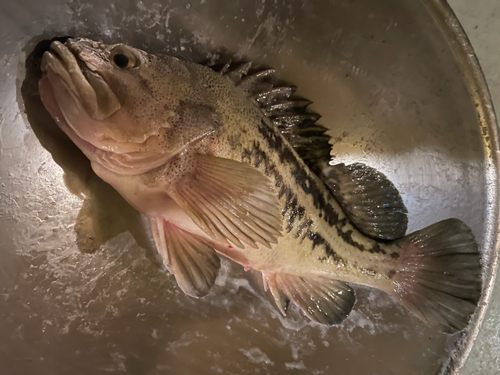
[(191, 259), (159, 237), (369, 199), (323, 300)]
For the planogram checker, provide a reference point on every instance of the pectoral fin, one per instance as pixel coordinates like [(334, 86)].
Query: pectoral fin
[(191, 259), (232, 202)]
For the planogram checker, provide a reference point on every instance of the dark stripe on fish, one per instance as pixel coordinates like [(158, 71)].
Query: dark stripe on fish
[(308, 185), (256, 156)]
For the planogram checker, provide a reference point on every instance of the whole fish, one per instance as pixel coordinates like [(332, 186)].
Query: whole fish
[(217, 174)]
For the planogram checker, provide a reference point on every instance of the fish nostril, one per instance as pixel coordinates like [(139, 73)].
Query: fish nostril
[(63, 39)]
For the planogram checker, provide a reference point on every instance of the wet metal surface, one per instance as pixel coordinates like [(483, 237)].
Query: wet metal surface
[(483, 28), (80, 287)]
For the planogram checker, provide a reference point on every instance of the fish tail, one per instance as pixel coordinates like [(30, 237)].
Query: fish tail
[(438, 277)]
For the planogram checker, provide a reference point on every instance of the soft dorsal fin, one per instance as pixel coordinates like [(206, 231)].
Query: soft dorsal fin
[(323, 300), (370, 200), (191, 259), (231, 201)]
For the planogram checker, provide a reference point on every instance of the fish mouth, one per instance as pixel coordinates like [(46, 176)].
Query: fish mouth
[(81, 78), (124, 163), (81, 103)]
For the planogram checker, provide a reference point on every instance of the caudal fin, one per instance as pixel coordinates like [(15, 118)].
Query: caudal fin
[(439, 277)]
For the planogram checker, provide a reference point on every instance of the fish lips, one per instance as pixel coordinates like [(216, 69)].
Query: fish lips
[(81, 79), (83, 88), (127, 162)]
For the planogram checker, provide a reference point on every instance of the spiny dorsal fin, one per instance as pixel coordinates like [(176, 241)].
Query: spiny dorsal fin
[(288, 112)]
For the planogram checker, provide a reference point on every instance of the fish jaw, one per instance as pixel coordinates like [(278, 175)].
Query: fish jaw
[(128, 162), (128, 120), (95, 95), (100, 133)]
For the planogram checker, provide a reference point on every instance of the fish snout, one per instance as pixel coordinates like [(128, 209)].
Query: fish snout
[(77, 64)]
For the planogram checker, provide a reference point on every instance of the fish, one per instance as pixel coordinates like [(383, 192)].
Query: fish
[(231, 163)]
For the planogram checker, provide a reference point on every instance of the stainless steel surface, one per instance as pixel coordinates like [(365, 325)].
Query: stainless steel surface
[(81, 291), (481, 22)]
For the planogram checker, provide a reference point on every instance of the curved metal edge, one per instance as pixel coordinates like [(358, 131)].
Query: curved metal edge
[(476, 83)]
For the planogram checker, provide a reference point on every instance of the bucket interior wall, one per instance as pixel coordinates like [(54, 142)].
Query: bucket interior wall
[(81, 289)]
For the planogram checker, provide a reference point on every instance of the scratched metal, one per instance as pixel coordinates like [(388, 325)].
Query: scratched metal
[(81, 290)]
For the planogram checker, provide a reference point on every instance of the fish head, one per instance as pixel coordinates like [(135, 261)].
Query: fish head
[(124, 108)]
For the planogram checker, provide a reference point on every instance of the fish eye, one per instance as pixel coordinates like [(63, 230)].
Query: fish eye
[(124, 58), (121, 60)]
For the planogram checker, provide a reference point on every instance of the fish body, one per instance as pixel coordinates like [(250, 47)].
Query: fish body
[(192, 151)]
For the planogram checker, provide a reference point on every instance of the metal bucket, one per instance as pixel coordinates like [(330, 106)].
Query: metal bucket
[(80, 288)]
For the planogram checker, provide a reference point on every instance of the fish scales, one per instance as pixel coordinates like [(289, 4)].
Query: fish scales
[(313, 233), (234, 164)]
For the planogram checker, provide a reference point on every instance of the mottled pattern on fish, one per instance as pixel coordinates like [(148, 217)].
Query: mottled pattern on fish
[(191, 149), (321, 226)]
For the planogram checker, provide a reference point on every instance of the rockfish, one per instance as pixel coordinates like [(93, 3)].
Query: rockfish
[(232, 163)]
